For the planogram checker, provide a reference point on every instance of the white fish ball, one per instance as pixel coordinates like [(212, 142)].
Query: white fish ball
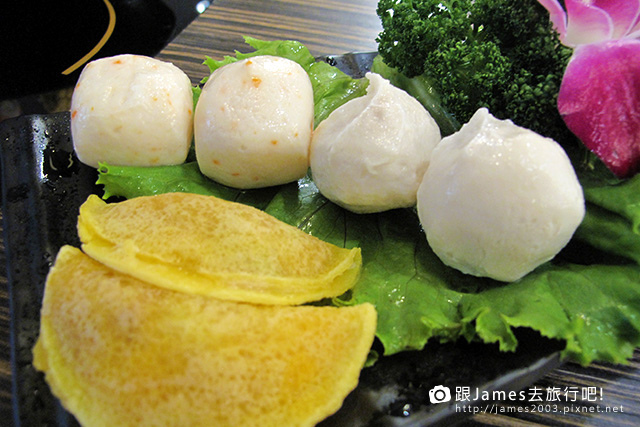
[(253, 123), (371, 153), (499, 200), (132, 110)]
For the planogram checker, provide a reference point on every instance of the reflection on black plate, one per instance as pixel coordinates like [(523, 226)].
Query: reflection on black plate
[(43, 185)]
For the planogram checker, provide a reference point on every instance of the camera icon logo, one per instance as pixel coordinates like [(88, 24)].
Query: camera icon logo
[(439, 394)]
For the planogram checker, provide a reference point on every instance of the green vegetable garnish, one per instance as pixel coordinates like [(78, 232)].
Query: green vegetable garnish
[(500, 54), (594, 308)]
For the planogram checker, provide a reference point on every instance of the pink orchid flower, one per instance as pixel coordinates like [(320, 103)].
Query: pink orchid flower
[(599, 97)]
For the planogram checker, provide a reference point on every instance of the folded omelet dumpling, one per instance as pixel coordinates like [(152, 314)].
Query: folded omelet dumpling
[(209, 246), (120, 352)]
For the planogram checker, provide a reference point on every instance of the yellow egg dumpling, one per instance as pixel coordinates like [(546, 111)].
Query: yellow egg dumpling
[(207, 246), (119, 351)]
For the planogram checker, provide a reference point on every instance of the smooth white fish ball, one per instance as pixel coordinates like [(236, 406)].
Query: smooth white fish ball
[(132, 110), (499, 200), (371, 153), (253, 123)]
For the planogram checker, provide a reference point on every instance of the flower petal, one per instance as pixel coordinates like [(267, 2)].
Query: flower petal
[(557, 15), (600, 101), (586, 24), (625, 15), (634, 30)]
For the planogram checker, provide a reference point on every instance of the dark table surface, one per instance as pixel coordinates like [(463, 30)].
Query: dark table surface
[(333, 27)]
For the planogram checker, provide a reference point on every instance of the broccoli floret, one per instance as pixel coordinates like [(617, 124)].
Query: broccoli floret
[(500, 54)]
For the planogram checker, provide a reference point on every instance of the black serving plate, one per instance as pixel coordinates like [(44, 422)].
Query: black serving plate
[(43, 185)]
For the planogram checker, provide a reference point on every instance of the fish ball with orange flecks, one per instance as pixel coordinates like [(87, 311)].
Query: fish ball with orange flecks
[(253, 123), (132, 110)]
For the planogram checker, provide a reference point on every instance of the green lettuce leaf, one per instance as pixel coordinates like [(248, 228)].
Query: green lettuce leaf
[(594, 309), (612, 222), (289, 49), (129, 182)]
